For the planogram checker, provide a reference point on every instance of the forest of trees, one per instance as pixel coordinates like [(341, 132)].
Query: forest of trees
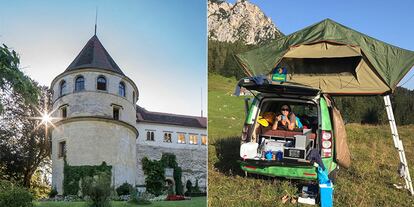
[(368, 110)]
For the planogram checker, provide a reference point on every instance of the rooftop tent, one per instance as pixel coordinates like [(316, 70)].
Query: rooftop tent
[(332, 58)]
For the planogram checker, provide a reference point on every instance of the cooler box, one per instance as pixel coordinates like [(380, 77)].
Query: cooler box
[(248, 150), (326, 194)]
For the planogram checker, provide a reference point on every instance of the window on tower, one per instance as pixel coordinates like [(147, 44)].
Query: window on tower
[(80, 83), (64, 112), (122, 89), (62, 89), (62, 149), (101, 83), (116, 113)]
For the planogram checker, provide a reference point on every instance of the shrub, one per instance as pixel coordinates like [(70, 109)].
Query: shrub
[(154, 181), (189, 187), (5, 184), (72, 175), (178, 184), (98, 188), (14, 196), (142, 198), (196, 189), (124, 189), (53, 192)]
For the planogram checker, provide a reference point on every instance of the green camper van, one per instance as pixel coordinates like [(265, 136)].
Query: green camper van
[(313, 110)]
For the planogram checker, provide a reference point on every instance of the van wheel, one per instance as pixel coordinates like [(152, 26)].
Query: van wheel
[(333, 175)]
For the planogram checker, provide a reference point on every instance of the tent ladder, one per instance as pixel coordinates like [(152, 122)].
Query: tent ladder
[(398, 145)]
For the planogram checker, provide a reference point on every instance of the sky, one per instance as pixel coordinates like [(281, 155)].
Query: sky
[(160, 45), (388, 21)]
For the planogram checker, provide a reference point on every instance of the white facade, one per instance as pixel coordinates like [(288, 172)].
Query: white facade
[(192, 158)]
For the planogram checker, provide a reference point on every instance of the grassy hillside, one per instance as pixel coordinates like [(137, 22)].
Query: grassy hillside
[(369, 181)]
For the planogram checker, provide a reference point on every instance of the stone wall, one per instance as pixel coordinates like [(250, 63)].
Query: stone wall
[(192, 158), (192, 161), (92, 142)]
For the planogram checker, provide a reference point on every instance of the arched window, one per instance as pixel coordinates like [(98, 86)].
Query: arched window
[(80, 83), (133, 96), (122, 89), (101, 83), (62, 89)]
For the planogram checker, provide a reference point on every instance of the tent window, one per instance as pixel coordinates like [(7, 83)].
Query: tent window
[(321, 66)]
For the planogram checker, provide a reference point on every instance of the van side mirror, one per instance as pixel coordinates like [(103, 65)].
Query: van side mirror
[(246, 105)]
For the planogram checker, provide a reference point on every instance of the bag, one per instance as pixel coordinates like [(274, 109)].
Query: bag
[(343, 156)]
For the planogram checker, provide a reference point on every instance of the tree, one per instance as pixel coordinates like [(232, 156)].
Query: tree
[(24, 145), (12, 80)]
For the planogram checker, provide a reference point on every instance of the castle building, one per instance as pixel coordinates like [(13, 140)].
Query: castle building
[(98, 121)]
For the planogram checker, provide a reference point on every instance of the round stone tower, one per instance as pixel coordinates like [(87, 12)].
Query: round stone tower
[(95, 116)]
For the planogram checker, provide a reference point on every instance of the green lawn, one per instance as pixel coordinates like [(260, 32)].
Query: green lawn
[(368, 182), (77, 204), (196, 201)]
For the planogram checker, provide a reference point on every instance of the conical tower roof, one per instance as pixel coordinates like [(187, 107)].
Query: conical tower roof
[(94, 55)]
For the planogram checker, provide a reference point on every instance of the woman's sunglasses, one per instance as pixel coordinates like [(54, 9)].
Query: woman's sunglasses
[(285, 109)]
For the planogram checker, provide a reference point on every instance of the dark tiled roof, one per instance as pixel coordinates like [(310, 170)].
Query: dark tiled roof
[(94, 55), (165, 118)]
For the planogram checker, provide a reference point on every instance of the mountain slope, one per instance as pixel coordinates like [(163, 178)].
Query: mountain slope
[(242, 21)]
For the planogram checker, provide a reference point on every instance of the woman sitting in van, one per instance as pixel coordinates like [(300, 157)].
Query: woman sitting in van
[(287, 120)]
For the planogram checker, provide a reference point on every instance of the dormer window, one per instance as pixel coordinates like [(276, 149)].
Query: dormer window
[(122, 89), (80, 83), (101, 83), (62, 88)]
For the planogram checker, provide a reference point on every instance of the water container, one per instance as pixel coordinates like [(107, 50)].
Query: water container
[(326, 194)]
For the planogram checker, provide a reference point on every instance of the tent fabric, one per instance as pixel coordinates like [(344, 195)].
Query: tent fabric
[(377, 71), (342, 153), (343, 156)]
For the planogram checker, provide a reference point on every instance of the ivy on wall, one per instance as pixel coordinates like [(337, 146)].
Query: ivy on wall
[(154, 170), (72, 175)]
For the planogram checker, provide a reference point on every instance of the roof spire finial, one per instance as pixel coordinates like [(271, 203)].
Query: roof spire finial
[(96, 18)]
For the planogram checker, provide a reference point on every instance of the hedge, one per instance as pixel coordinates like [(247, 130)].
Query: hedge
[(73, 174)]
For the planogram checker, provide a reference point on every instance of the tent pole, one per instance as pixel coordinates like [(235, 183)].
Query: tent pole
[(398, 145)]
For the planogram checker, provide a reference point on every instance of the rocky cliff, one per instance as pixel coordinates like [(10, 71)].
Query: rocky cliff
[(241, 21)]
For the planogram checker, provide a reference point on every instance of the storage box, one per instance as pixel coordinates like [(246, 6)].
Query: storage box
[(274, 146), (248, 150), (326, 194)]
